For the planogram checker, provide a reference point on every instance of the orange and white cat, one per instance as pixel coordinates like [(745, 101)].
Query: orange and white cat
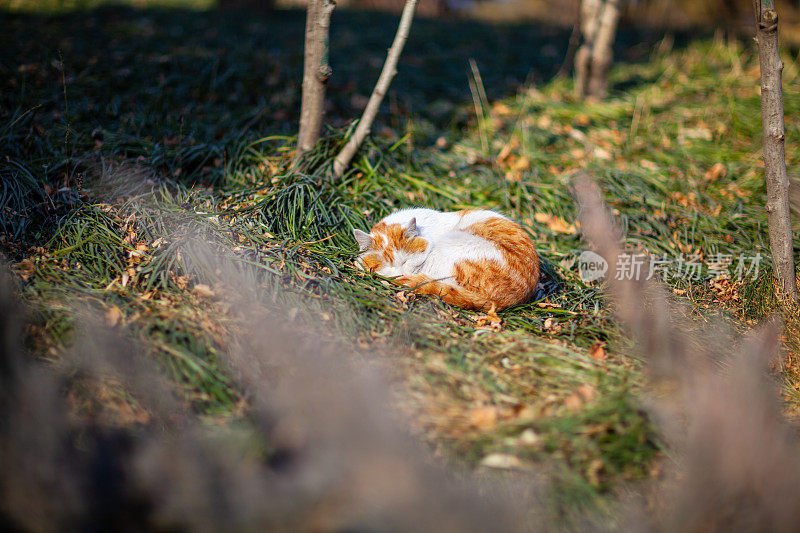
[(474, 259)]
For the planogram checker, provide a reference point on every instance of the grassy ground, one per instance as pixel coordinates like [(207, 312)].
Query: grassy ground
[(129, 134)]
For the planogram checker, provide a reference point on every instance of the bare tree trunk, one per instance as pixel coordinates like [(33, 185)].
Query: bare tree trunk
[(598, 23), (603, 51), (588, 21), (779, 218), (316, 72), (389, 70)]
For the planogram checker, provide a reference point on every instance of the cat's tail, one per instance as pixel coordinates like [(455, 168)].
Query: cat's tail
[(453, 295), (550, 282)]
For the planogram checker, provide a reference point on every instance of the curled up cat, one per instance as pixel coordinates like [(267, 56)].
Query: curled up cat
[(475, 259)]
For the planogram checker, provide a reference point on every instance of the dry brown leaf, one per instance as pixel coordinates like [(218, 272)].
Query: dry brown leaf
[(523, 411), (507, 150), (596, 351), (113, 316), (700, 132), (716, 170), (25, 269), (649, 165), (586, 392), (555, 223), (686, 200), (593, 471), (521, 163), (551, 325), (501, 460), (501, 109), (544, 122), (573, 402), (483, 418), (490, 321), (530, 438), (203, 291)]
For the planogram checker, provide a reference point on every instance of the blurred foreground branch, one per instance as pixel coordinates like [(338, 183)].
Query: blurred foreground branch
[(740, 462)]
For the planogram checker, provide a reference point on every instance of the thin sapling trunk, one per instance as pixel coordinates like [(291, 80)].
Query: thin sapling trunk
[(777, 181), (316, 72), (598, 24), (588, 21), (603, 49), (389, 70)]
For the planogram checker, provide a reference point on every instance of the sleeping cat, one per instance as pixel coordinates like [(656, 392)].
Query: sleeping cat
[(474, 259)]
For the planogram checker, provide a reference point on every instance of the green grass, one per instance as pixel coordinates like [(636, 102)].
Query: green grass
[(204, 110)]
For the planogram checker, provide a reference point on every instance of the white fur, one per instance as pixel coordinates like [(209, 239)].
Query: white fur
[(448, 243)]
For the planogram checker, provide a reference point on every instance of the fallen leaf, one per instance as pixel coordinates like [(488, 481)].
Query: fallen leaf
[(524, 411), (483, 418), (596, 351), (530, 438), (501, 109), (501, 460), (507, 150), (716, 170), (601, 153), (203, 291), (555, 223), (551, 325), (490, 321), (593, 471), (586, 392), (113, 316), (700, 132), (573, 402), (544, 122), (25, 269), (521, 163)]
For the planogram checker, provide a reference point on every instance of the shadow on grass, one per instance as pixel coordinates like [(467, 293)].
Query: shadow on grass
[(181, 88)]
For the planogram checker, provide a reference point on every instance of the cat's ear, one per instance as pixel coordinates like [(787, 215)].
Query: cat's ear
[(411, 231), (363, 239)]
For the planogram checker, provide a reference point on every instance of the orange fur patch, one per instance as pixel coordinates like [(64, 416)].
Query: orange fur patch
[(458, 296), (505, 286), (396, 239), (371, 261)]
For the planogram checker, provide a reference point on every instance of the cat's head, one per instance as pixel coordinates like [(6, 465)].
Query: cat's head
[(388, 247)]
